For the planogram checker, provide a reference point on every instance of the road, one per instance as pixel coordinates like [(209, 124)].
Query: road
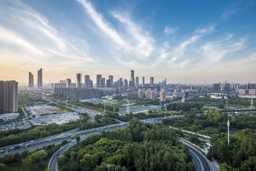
[(201, 163), (65, 136), (52, 166)]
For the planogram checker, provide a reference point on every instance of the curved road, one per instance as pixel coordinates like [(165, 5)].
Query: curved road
[(201, 163)]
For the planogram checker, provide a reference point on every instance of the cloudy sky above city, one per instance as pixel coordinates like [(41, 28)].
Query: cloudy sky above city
[(190, 42)]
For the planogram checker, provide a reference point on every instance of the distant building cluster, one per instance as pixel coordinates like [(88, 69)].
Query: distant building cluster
[(242, 90), (8, 96), (248, 90), (87, 89)]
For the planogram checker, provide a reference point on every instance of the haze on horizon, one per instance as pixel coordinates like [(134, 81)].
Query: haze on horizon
[(200, 42)]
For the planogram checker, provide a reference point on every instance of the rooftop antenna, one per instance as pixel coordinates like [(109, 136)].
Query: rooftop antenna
[(228, 122), (128, 106), (104, 104), (252, 106)]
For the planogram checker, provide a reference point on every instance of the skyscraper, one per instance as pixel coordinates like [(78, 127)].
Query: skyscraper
[(143, 81), (68, 81), (98, 80), (132, 81), (103, 82), (88, 82), (162, 96), (79, 80), (137, 81), (30, 80), (125, 83), (8, 96), (110, 81), (151, 81), (40, 78)]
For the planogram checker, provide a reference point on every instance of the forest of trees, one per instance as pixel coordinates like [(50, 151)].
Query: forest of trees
[(240, 155), (138, 147)]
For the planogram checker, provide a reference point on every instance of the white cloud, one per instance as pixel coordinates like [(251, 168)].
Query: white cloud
[(168, 30), (139, 45), (7, 36), (144, 42), (36, 35), (101, 23), (173, 54), (214, 51), (42, 25)]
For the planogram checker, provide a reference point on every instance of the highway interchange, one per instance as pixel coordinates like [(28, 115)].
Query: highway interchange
[(200, 162)]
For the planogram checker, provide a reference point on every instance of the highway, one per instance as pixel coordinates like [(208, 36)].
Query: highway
[(201, 163), (199, 160), (66, 136)]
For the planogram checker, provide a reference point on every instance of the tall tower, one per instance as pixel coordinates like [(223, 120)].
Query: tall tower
[(228, 124), (151, 81), (40, 78), (132, 83), (128, 106), (30, 80), (98, 80), (143, 81), (79, 80), (251, 106), (88, 82), (137, 81), (110, 81), (68, 81)]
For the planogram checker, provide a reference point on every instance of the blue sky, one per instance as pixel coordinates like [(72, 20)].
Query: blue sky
[(184, 41)]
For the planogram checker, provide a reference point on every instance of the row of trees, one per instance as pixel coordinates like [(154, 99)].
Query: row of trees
[(138, 147), (28, 161), (186, 107)]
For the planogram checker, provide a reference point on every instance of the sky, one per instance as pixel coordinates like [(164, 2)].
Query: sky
[(196, 41)]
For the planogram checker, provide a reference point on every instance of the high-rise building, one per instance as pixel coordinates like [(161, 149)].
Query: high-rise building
[(125, 83), (217, 87), (98, 80), (141, 93), (88, 82), (137, 82), (8, 96), (143, 81), (151, 81), (162, 96), (30, 80), (121, 83), (132, 81), (110, 81), (79, 80), (68, 81), (103, 82), (150, 94), (40, 78)]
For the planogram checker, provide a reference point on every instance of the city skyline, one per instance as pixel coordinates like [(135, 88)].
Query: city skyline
[(164, 40)]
